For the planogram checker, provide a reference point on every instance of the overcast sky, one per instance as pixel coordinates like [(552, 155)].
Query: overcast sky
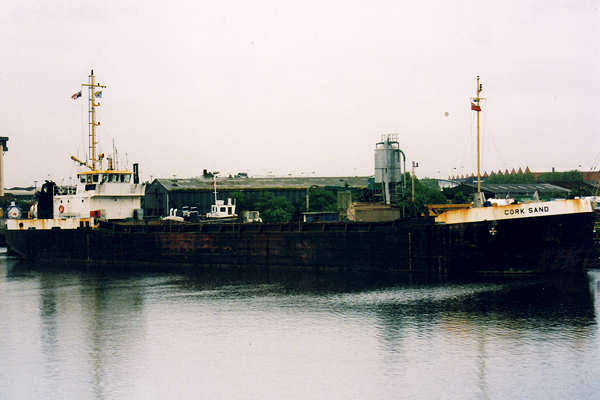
[(300, 87)]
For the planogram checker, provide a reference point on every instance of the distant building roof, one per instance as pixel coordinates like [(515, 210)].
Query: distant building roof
[(20, 192), (520, 188), (172, 184)]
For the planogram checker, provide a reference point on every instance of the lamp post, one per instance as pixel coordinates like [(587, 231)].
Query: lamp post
[(414, 165)]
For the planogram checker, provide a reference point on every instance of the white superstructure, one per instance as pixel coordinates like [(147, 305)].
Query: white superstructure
[(108, 194), (222, 210)]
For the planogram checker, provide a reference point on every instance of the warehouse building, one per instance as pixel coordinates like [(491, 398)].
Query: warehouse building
[(519, 191), (165, 194)]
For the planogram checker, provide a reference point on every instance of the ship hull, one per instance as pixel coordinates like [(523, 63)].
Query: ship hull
[(533, 245)]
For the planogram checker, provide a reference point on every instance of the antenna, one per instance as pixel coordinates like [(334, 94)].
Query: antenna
[(215, 173)]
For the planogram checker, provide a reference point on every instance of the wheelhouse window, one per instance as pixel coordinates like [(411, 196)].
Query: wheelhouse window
[(82, 178), (127, 178), (104, 178), (95, 178), (88, 178)]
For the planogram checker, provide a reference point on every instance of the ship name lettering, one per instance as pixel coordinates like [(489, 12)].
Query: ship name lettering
[(518, 211), (530, 210), (534, 210)]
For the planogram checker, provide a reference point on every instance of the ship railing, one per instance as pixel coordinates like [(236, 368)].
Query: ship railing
[(252, 227)]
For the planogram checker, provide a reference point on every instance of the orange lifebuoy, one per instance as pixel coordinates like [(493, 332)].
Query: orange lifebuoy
[(61, 209)]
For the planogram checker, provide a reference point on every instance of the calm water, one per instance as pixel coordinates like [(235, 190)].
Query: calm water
[(75, 334)]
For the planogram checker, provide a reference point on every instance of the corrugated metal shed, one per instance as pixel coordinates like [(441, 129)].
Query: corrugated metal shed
[(521, 188), (164, 194), (261, 183)]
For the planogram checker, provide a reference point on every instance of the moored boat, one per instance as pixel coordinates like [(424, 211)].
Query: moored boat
[(95, 224)]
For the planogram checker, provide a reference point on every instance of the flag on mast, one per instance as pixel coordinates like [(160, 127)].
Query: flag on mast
[(98, 94), (475, 107), (76, 95)]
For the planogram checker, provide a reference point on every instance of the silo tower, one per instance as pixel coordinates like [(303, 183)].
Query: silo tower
[(390, 167)]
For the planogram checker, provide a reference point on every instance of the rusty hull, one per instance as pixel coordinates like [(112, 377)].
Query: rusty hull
[(538, 244)]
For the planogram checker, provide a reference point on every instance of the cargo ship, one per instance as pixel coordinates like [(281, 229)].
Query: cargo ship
[(100, 223)]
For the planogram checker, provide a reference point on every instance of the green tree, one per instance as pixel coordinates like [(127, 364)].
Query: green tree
[(321, 199), (276, 215), (460, 198), (561, 177), (272, 208), (427, 191)]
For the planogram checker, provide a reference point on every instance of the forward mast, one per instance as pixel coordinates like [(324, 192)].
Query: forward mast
[(476, 106)]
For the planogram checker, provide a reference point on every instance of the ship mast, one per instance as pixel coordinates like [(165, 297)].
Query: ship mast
[(215, 187), (92, 124), (476, 106)]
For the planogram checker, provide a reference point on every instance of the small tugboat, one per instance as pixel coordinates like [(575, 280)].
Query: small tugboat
[(221, 211)]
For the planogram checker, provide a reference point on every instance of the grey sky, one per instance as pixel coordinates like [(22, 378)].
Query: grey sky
[(300, 86)]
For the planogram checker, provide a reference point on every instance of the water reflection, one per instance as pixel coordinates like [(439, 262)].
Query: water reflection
[(49, 332), (123, 333), (112, 319)]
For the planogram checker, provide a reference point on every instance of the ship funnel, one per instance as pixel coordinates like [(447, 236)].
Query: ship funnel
[(3, 148), (46, 201)]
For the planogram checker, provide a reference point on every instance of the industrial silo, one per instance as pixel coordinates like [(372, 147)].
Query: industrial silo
[(390, 166)]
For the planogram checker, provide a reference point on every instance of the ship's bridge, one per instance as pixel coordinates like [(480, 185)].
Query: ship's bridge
[(105, 176)]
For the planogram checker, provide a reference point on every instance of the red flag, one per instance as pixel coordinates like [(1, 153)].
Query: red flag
[(475, 107), (76, 95)]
